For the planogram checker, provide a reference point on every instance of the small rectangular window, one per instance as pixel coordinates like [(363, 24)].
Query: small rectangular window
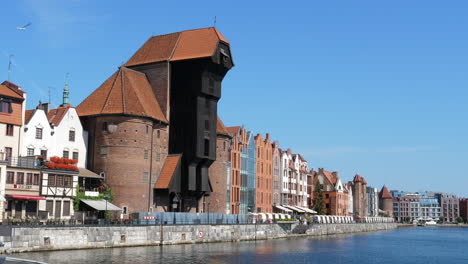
[(29, 178), (38, 133), (207, 147), (5, 107), (145, 154), (75, 155), (103, 151), (51, 181), (8, 153), (145, 176), (9, 130), (65, 154), (158, 156), (10, 179), (44, 153), (30, 151), (71, 135), (59, 180), (36, 179), (19, 178), (207, 124), (67, 181), (66, 208), (104, 126)]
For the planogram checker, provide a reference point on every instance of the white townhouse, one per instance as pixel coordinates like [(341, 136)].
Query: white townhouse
[(287, 180), (302, 173), (55, 132)]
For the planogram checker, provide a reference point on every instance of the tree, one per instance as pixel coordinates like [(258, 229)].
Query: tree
[(319, 204), (442, 219), (459, 219)]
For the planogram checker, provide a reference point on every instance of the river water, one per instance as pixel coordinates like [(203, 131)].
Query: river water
[(415, 245)]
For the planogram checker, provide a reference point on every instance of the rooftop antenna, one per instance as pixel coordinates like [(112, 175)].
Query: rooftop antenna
[(9, 66), (214, 24), (49, 93)]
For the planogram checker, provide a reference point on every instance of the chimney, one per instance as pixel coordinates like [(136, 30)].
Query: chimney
[(335, 173), (320, 170), (267, 136)]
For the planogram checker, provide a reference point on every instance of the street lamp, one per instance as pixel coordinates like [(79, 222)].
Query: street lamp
[(106, 197)]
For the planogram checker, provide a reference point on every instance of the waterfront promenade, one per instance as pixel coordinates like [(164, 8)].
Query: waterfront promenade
[(23, 239)]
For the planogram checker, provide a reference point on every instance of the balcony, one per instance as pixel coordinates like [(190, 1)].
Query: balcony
[(25, 162)]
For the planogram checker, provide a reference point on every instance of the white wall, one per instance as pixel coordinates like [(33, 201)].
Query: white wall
[(10, 141), (56, 139), (37, 120)]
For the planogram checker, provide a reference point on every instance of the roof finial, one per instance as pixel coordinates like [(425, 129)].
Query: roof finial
[(66, 92), (9, 66), (214, 24)]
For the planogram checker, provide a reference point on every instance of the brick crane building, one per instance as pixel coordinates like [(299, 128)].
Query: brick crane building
[(152, 124)]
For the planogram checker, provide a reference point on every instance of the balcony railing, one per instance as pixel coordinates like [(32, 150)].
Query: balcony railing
[(24, 162)]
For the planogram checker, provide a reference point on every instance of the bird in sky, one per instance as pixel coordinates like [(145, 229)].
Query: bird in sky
[(24, 27)]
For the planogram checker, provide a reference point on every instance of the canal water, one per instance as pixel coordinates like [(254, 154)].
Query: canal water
[(417, 245)]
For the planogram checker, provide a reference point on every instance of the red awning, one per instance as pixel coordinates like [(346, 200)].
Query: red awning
[(26, 197)]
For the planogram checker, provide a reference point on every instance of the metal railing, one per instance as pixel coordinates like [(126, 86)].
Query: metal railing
[(24, 162)]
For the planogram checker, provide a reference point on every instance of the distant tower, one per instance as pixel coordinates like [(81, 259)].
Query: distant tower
[(386, 201), (66, 93)]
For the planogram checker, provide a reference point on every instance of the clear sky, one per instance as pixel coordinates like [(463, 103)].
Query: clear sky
[(378, 88)]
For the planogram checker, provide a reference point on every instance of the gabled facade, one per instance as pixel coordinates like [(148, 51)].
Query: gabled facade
[(264, 175), (288, 179), (277, 168), (335, 193), (359, 185)]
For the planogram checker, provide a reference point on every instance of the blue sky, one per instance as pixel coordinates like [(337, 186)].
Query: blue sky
[(371, 87)]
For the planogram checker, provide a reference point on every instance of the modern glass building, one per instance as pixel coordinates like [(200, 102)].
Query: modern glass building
[(248, 177), (430, 209)]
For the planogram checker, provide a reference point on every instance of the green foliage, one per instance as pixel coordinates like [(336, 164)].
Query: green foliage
[(319, 203), (81, 195), (459, 219), (407, 219), (442, 218)]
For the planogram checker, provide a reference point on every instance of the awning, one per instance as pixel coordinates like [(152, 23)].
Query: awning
[(88, 174), (282, 208), (295, 209), (25, 197), (101, 205), (310, 211)]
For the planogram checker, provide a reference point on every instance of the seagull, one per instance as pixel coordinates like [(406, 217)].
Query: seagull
[(24, 27)]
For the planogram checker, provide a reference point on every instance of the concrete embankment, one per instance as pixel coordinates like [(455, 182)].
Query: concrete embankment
[(22, 239)]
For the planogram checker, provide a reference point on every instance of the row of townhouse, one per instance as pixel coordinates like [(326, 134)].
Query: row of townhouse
[(30, 186)]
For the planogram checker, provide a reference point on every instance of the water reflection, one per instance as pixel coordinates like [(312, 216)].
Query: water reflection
[(399, 246)]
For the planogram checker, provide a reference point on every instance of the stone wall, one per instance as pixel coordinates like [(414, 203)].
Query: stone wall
[(333, 229), (59, 238)]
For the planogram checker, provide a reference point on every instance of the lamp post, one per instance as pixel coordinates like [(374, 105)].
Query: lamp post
[(106, 197)]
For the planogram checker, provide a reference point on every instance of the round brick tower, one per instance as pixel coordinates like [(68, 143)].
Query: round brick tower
[(386, 201)]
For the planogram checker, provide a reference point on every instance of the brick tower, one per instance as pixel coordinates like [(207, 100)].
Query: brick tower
[(386, 201)]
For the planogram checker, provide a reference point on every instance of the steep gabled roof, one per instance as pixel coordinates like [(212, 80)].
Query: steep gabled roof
[(15, 88), (384, 193), (27, 115), (9, 92), (126, 92), (167, 172), (184, 45), (233, 130), (55, 116), (220, 128)]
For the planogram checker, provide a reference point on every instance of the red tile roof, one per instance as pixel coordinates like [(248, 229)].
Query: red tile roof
[(384, 193), (55, 116), (27, 115), (233, 130), (220, 128), (184, 45), (6, 91), (167, 172), (14, 87), (125, 92)]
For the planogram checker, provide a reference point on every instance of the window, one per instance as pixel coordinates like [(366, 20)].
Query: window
[(145, 154), (147, 130), (66, 208), (71, 135), (158, 134), (38, 133), (75, 155), (36, 179), (44, 153), (207, 125), (158, 156), (10, 179), (103, 151), (5, 107), (59, 180), (51, 181), (104, 126), (207, 147), (30, 152), (65, 154), (8, 153), (124, 210), (67, 181), (29, 178), (145, 176), (9, 130), (19, 178)]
